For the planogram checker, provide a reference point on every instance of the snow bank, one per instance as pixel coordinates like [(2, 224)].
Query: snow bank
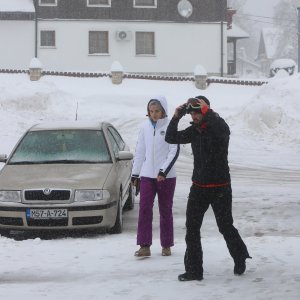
[(274, 111)]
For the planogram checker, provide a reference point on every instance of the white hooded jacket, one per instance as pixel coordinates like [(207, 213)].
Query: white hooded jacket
[(153, 154)]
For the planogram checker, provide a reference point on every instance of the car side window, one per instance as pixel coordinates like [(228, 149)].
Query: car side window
[(117, 137), (114, 143)]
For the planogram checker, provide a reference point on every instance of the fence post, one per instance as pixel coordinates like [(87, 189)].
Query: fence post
[(35, 69), (200, 77), (116, 73)]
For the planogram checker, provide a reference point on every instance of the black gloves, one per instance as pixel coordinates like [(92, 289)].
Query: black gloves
[(136, 181)]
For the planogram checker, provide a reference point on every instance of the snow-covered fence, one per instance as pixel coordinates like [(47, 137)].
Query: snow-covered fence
[(166, 77)]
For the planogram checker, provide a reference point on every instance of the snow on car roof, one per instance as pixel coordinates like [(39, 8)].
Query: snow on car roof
[(67, 125)]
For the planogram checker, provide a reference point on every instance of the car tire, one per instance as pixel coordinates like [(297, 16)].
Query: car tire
[(5, 232), (129, 204), (118, 227)]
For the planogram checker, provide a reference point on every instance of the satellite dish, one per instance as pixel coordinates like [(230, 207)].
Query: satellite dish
[(185, 8)]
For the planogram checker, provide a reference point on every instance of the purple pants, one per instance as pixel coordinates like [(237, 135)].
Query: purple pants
[(165, 192)]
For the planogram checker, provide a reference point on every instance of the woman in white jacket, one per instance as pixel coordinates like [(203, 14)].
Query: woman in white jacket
[(154, 166)]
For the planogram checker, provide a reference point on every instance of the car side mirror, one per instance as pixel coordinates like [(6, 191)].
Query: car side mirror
[(3, 158), (125, 155)]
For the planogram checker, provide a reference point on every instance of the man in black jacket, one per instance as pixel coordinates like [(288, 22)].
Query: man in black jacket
[(209, 138)]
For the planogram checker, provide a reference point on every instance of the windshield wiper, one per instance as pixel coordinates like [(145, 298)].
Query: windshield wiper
[(59, 161), (25, 162), (69, 161)]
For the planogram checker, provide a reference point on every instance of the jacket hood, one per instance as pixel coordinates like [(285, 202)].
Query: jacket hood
[(162, 100)]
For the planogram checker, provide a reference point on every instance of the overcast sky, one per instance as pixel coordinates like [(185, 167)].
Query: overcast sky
[(260, 7)]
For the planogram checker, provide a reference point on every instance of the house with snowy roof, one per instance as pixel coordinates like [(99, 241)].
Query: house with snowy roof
[(17, 33), (153, 36), (268, 44), (234, 34), (272, 46)]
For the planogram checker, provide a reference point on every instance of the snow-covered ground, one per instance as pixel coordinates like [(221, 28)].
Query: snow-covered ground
[(265, 168)]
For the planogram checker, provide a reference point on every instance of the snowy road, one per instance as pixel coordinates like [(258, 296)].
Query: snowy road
[(103, 266), (265, 170)]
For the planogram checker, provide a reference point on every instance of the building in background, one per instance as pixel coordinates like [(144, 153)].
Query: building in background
[(17, 33), (152, 36), (272, 46)]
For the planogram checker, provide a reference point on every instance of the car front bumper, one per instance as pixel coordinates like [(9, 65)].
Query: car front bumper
[(79, 216)]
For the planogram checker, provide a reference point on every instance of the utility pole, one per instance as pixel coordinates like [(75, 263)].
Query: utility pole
[(298, 33), (222, 37), (297, 5)]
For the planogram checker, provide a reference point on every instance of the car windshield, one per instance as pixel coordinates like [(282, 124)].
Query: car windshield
[(61, 146)]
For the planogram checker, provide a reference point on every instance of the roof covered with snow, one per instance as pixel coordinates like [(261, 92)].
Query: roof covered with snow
[(16, 6), (237, 32), (270, 37), (17, 10)]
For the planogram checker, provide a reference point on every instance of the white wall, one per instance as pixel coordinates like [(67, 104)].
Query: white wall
[(16, 44), (179, 47)]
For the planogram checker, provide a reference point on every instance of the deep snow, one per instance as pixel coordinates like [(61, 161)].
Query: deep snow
[(265, 169)]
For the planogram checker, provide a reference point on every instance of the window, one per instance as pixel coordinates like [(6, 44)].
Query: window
[(98, 2), (98, 42), (117, 138), (145, 43), (144, 3), (48, 2), (47, 38), (62, 146)]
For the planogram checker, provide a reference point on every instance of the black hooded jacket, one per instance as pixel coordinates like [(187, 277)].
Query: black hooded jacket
[(209, 141)]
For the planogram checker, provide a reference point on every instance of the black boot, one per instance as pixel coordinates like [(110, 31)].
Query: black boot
[(189, 277), (239, 266)]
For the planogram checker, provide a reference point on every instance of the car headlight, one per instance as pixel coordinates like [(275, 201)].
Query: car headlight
[(10, 196), (91, 195)]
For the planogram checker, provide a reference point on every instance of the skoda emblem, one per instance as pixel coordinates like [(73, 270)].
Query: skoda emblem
[(47, 191)]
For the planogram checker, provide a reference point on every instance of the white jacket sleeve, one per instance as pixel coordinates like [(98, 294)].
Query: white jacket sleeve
[(171, 159), (140, 153)]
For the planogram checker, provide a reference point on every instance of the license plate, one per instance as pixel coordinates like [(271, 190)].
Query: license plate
[(54, 213)]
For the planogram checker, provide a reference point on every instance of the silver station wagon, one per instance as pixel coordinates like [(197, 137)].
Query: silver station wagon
[(68, 175)]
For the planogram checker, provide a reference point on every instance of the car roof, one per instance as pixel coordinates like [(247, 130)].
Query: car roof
[(67, 125)]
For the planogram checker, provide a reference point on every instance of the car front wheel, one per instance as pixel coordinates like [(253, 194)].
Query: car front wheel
[(118, 227), (129, 205)]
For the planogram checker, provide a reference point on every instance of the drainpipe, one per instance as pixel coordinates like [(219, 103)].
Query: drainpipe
[(35, 29), (36, 35), (222, 38)]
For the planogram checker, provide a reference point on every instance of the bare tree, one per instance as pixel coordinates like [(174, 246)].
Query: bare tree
[(285, 20)]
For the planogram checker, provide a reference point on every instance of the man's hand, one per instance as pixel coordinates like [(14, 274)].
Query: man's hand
[(180, 111)]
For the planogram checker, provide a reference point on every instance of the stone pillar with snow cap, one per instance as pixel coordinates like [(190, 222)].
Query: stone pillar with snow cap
[(35, 69), (116, 73), (200, 77)]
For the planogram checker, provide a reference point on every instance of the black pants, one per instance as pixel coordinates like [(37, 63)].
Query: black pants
[(220, 198)]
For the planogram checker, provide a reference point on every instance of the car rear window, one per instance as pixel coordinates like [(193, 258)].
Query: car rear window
[(62, 146)]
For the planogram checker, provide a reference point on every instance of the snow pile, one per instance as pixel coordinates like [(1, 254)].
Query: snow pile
[(274, 112)]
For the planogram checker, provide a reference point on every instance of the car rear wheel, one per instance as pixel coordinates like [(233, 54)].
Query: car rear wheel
[(118, 227)]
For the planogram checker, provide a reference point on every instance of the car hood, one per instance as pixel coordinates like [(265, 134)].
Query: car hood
[(71, 176)]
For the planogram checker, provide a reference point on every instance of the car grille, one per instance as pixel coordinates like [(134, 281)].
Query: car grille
[(11, 221), (48, 222), (53, 195)]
